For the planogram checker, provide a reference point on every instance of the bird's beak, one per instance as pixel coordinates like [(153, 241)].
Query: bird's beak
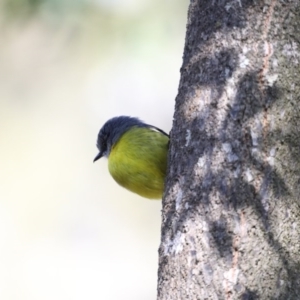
[(99, 155)]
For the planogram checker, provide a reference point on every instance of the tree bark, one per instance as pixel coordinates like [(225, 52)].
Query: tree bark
[(231, 209)]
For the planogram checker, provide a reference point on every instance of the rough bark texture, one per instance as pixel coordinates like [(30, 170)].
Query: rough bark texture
[(231, 210)]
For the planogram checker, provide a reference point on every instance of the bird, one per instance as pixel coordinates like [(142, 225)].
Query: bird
[(137, 155)]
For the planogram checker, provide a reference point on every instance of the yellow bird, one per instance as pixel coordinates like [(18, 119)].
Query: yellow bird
[(137, 155)]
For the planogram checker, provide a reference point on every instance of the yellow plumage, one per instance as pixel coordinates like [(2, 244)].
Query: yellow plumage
[(138, 161)]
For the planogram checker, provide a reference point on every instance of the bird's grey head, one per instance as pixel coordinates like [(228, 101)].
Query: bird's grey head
[(112, 130)]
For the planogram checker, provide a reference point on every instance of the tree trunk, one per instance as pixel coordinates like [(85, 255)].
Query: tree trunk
[(231, 210)]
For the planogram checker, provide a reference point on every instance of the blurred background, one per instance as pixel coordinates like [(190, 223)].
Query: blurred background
[(67, 230)]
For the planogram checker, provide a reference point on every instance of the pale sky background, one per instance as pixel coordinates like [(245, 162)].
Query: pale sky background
[(67, 230)]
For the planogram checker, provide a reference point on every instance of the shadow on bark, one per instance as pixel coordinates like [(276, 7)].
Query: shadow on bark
[(249, 295), (252, 99), (250, 145), (211, 16)]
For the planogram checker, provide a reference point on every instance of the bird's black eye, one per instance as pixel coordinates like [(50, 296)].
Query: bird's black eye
[(102, 142), (103, 147)]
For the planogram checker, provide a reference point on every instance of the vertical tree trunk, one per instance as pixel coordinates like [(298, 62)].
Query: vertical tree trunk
[(231, 210)]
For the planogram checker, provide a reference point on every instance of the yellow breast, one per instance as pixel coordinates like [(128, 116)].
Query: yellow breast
[(138, 161)]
